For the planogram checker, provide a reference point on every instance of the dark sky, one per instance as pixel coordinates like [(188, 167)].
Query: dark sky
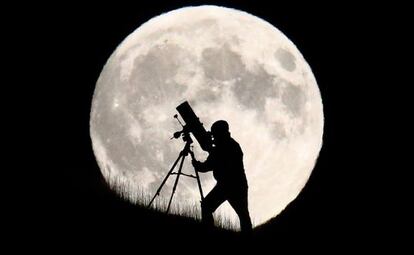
[(66, 46)]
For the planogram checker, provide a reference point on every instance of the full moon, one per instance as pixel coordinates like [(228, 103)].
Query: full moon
[(228, 65)]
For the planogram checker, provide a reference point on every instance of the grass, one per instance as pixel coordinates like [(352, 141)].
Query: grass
[(141, 198), (122, 219)]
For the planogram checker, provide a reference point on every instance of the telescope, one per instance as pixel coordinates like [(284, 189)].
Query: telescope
[(194, 126)]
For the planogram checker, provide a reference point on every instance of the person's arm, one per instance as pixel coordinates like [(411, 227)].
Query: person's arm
[(203, 166)]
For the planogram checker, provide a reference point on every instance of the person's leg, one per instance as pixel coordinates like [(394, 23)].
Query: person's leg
[(240, 204), (210, 203)]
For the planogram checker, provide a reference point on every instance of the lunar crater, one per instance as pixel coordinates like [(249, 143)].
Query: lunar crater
[(286, 59)]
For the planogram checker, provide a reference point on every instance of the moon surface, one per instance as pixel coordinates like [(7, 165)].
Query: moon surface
[(229, 65)]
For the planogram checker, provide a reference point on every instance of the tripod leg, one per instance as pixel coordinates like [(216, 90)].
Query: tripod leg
[(199, 184), (165, 179), (176, 182)]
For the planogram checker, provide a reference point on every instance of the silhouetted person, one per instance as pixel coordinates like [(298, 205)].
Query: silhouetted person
[(226, 161)]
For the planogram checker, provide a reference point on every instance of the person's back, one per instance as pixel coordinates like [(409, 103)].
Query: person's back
[(228, 168)]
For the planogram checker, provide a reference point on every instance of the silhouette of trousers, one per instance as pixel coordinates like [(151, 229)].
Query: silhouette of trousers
[(237, 198)]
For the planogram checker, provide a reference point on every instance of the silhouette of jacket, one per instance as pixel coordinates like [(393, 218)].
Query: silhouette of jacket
[(226, 162)]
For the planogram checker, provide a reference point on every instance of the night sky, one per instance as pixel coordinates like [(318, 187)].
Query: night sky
[(66, 46)]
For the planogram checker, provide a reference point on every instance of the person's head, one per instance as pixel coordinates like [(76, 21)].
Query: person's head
[(220, 131)]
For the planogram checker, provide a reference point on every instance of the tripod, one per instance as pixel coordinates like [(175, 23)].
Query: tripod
[(185, 151)]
